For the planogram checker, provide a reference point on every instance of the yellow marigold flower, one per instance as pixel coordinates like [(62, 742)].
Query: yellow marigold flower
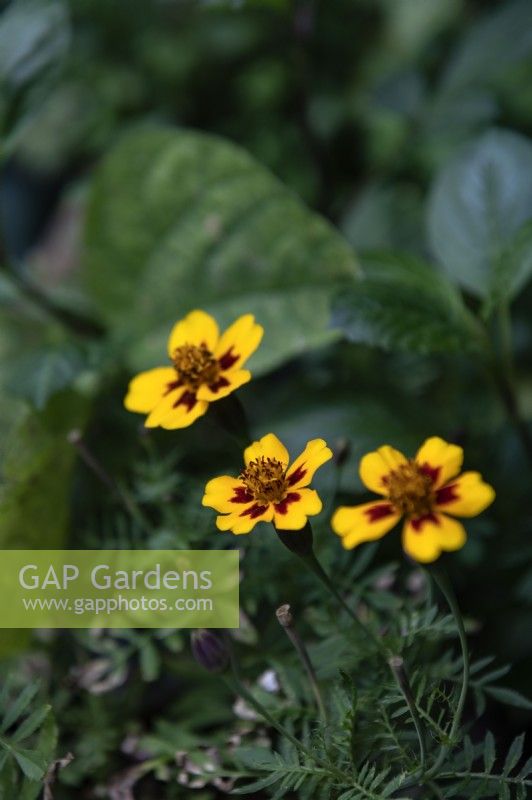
[(420, 490), (268, 489), (205, 367)]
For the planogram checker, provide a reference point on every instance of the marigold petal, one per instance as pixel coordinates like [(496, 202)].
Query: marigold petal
[(148, 388), (226, 494), (268, 447), (424, 539), (245, 520), (375, 466), (441, 459), (196, 328), (179, 409), (291, 513), (363, 523), (239, 342), (226, 384), (465, 496), (313, 456)]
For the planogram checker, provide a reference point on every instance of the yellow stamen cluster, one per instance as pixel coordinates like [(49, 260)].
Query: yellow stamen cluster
[(195, 365), (410, 490), (265, 480)]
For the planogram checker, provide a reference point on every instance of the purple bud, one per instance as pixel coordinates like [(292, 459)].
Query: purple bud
[(209, 650)]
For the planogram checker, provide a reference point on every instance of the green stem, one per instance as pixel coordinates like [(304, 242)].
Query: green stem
[(237, 685), (445, 588), (75, 438), (314, 565), (286, 621), (397, 667)]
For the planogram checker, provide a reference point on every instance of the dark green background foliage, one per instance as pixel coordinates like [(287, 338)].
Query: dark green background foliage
[(358, 174)]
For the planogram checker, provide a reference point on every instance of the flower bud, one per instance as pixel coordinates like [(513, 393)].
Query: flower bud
[(209, 650)]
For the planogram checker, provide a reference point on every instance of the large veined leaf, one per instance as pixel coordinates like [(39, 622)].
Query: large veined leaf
[(479, 202), (404, 304), (179, 220), (35, 467)]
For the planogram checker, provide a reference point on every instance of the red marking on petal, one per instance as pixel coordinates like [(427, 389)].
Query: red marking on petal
[(432, 472), (228, 359), (291, 497), (187, 399), (447, 494), (254, 511), (171, 386), (220, 384), (297, 476), (376, 512), (417, 524), (241, 495)]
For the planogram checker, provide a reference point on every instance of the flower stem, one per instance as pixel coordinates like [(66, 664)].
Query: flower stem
[(75, 438), (445, 588), (236, 684), (301, 543), (285, 619), (398, 669)]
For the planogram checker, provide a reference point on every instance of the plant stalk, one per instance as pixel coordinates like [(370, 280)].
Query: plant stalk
[(445, 588)]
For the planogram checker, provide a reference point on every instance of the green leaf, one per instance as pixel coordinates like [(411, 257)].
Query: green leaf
[(514, 754), (32, 763), (31, 723), (489, 752), (33, 35), (404, 304), (179, 220), (36, 463), (513, 269), (509, 697), (43, 372), (500, 40), (19, 706), (479, 201)]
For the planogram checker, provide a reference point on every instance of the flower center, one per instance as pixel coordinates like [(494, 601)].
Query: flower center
[(195, 365), (265, 479), (411, 491)]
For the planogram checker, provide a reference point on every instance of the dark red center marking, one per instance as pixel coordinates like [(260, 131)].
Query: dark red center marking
[(447, 494), (254, 511), (221, 383), (418, 524), (187, 399), (296, 476), (228, 359), (380, 511), (241, 495), (282, 507), (171, 386), (432, 472)]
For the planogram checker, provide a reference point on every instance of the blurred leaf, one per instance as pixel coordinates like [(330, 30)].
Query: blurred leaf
[(179, 220), (385, 217), (509, 697), (479, 201), (33, 35), (42, 373), (503, 38), (513, 269), (404, 304), (35, 471)]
